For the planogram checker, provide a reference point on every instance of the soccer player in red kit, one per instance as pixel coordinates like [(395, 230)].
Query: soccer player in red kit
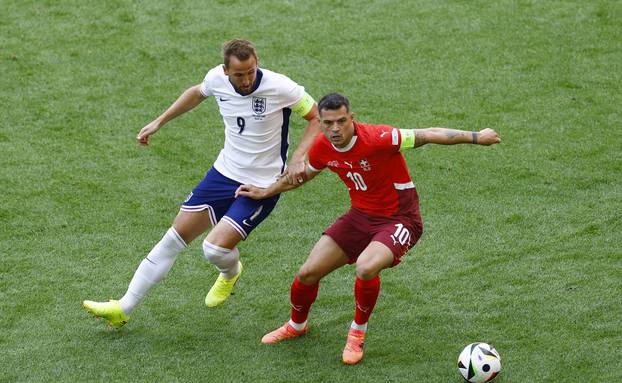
[(383, 222)]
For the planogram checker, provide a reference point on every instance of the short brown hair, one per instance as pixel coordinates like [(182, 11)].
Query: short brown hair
[(242, 49)]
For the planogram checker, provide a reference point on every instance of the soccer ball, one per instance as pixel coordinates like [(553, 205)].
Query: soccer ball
[(479, 362)]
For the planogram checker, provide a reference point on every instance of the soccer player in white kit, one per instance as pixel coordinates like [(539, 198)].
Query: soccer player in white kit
[(255, 105)]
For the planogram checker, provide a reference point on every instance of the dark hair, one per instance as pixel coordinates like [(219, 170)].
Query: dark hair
[(242, 49), (333, 101)]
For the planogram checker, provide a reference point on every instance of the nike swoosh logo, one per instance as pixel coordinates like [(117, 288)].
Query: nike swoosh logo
[(223, 99), (252, 217)]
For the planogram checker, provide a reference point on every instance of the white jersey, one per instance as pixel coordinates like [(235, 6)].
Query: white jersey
[(256, 125)]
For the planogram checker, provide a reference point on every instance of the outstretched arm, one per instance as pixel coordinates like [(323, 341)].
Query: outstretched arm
[(187, 101), (280, 186), (445, 136)]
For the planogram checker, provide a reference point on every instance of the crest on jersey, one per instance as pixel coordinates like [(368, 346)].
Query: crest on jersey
[(365, 164), (259, 105)]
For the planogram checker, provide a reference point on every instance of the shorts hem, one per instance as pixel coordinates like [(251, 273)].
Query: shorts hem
[(235, 226), (200, 208)]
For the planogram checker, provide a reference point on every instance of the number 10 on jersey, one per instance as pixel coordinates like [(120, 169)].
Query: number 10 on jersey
[(359, 183)]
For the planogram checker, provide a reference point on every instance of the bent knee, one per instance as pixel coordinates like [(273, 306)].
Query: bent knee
[(366, 271), (308, 276), (212, 252)]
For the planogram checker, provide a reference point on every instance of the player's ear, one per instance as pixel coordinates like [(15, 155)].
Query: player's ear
[(224, 67), (352, 115)]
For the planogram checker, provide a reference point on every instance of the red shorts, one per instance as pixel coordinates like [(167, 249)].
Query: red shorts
[(354, 230)]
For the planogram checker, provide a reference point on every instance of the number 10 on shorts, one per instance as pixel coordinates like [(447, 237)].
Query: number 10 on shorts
[(401, 235)]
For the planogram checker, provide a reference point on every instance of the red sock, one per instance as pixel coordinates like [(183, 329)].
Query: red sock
[(302, 297), (365, 296)]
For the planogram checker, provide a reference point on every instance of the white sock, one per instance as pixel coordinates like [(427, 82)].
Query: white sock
[(226, 261), (297, 326), (356, 326), (152, 269)]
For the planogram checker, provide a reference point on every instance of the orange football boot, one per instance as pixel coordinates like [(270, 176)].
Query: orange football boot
[(284, 332), (353, 352)]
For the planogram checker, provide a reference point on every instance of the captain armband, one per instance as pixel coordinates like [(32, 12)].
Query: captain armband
[(408, 139), (304, 106)]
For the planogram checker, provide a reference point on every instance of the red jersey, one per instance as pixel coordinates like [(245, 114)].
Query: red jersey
[(371, 166)]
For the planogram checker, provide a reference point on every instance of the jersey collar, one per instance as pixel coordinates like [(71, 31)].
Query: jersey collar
[(255, 85)]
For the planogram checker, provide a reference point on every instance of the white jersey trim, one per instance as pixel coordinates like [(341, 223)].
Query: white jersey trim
[(313, 169), (404, 186), (347, 147)]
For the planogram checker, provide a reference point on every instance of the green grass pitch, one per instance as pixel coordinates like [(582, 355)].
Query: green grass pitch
[(522, 241)]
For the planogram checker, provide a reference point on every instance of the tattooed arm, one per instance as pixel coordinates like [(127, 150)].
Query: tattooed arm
[(445, 136), (280, 186)]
